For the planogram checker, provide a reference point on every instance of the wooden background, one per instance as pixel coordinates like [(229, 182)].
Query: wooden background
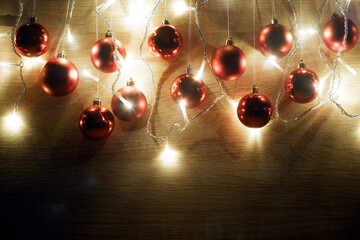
[(297, 181)]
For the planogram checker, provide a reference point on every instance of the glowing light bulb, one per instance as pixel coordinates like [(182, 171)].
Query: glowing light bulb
[(183, 110), (322, 81), (33, 61), (69, 35), (307, 32), (254, 134), (13, 122), (102, 7), (350, 69), (201, 70), (168, 156), (180, 7), (137, 13), (7, 64), (5, 34), (272, 60)]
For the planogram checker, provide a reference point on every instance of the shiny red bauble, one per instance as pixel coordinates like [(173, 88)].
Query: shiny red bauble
[(32, 39), (96, 123), (302, 85), (275, 40), (228, 62), (334, 33), (102, 54), (188, 90), (254, 110), (165, 42), (59, 77), (135, 98)]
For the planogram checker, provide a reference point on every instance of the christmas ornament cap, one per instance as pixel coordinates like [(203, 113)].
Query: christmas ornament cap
[(61, 55), (131, 82), (97, 102), (229, 41), (274, 21), (108, 34), (302, 64), (254, 89), (33, 19), (165, 21), (334, 15)]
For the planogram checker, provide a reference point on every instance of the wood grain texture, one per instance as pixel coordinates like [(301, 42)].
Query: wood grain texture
[(298, 181)]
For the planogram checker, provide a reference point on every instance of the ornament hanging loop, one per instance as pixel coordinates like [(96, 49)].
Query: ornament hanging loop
[(97, 102), (229, 41), (33, 19), (274, 21), (254, 89), (302, 64)]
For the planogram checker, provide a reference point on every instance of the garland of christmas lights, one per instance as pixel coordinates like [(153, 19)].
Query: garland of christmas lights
[(330, 95)]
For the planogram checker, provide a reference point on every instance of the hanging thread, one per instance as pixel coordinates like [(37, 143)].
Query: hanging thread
[(34, 8), (254, 44), (189, 38), (228, 19), (273, 10), (21, 10)]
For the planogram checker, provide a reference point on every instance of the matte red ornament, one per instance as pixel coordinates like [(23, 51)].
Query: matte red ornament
[(275, 40), (96, 122), (188, 90), (102, 54), (228, 62), (135, 98), (302, 84), (32, 39), (254, 110), (334, 33), (165, 41), (59, 77)]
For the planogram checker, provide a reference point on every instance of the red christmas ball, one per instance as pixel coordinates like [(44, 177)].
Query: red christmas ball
[(228, 62), (275, 40), (135, 98), (302, 85), (32, 39), (254, 110), (165, 42), (334, 33), (102, 54), (96, 123), (188, 90), (59, 77)]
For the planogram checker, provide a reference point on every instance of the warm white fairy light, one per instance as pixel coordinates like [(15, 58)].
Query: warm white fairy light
[(33, 61), (5, 34), (70, 37), (168, 156), (13, 122), (183, 110), (254, 133), (7, 64), (201, 70), (180, 7), (322, 81), (272, 60), (350, 69), (307, 32), (102, 7), (137, 13)]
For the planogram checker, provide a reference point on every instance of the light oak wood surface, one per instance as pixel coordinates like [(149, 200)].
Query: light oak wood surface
[(296, 181)]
